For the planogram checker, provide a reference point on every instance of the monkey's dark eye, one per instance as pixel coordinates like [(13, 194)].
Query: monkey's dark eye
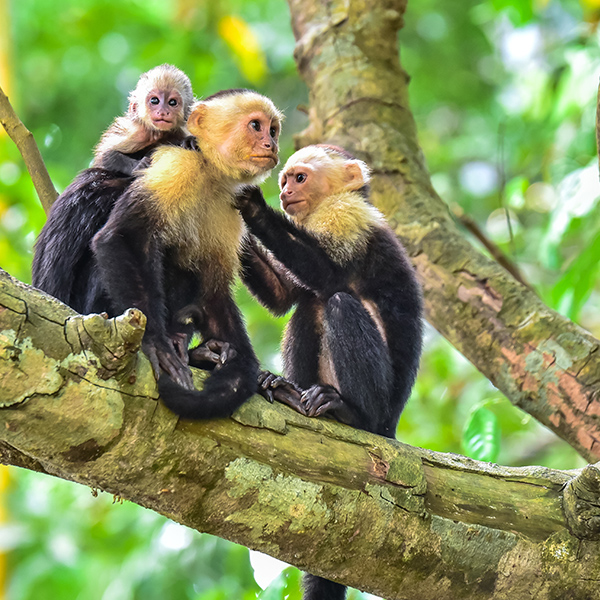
[(154, 100), (172, 102), (301, 177), (273, 132), (255, 124)]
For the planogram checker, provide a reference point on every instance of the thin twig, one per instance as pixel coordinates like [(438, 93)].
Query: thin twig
[(25, 142), (496, 253)]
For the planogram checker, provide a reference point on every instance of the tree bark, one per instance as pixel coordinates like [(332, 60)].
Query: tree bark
[(78, 401), (347, 53)]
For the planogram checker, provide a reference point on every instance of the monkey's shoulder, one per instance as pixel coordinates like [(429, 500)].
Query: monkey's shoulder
[(175, 175)]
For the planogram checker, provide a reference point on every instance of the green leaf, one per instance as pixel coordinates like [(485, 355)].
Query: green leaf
[(481, 436), (284, 587), (575, 286)]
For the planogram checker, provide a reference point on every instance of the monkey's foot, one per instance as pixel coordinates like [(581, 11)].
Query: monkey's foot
[(180, 344), (211, 354), (320, 399), (274, 387), (167, 360)]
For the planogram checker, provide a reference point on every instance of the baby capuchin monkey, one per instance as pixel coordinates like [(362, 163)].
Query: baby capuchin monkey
[(158, 110), (63, 265), (171, 248), (354, 341)]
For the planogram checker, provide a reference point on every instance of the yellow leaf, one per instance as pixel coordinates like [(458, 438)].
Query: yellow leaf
[(590, 4), (244, 44)]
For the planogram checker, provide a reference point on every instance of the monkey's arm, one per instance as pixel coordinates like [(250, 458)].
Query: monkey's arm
[(296, 249), (116, 161), (130, 265), (269, 282), (126, 163)]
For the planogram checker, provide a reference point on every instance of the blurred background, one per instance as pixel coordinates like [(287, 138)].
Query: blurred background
[(504, 94)]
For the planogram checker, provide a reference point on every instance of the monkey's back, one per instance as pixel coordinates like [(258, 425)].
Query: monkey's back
[(63, 261)]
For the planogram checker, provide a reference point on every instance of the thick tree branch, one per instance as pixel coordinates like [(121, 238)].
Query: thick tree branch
[(358, 508), (347, 52), (25, 142)]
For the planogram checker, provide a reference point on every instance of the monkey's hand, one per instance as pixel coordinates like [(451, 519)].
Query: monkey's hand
[(179, 341), (163, 358), (144, 163), (213, 353), (320, 399), (190, 143), (250, 200), (274, 387)]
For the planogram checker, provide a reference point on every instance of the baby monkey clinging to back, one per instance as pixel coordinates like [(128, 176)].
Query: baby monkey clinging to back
[(158, 109)]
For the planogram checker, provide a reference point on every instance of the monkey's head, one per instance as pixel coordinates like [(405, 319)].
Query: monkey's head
[(238, 130), (162, 99), (316, 172)]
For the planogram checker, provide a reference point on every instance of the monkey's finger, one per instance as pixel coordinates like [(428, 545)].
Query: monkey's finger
[(201, 354), (262, 377), (151, 354), (293, 401), (267, 382), (267, 394), (215, 345), (177, 371), (328, 406), (225, 352)]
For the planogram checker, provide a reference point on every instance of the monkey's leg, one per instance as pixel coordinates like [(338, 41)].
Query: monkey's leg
[(362, 367), (131, 265)]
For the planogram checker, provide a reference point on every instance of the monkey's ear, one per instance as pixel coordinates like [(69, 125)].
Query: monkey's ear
[(132, 108), (355, 178), (196, 118)]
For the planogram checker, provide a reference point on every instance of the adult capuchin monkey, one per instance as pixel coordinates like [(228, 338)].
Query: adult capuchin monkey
[(158, 110), (171, 248), (63, 264), (354, 341)]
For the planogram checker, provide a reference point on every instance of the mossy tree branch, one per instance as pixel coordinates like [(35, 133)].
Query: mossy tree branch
[(79, 402), (25, 142), (347, 53)]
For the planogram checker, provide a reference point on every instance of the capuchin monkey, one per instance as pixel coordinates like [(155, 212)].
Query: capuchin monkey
[(171, 248), (158, 110), (354, 341), (63, 265)]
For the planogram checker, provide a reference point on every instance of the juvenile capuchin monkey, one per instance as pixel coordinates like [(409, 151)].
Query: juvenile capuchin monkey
[(158, 110), (354, 341), (171, 248), (63, 264)]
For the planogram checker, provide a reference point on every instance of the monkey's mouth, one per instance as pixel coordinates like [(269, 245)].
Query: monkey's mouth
[(290, 202), (162, 122), (265, 157)]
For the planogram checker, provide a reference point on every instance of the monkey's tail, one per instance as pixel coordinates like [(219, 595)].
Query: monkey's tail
[(224, 391)]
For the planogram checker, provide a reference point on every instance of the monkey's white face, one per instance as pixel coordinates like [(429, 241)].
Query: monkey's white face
[(164, 109), (302, 188), (253, 144)]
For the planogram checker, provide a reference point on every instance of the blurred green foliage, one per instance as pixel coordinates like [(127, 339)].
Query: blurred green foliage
[(504, 95)]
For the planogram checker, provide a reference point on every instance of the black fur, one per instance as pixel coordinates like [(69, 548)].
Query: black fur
[(63, 263), (138, 269), (375, 378), (126, 164), (98, 252)]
